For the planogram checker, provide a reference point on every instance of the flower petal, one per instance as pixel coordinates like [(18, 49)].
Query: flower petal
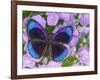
[(40, 20)]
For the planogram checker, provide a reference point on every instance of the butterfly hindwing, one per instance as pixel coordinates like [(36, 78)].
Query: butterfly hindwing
[(36, 49), (59, 52)]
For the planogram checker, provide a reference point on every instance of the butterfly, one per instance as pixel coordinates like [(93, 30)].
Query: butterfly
[(39, 41)]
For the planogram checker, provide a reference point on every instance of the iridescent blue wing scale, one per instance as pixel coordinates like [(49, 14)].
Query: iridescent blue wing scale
[(61, 37)]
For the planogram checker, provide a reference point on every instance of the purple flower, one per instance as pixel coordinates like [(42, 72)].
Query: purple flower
[(43, 66), (74, 40), (25, 21), (68, 17), (85, 20), (25, 37), (28, 61), (40, 20), (59, 27), (83, 54), (75, 65), (53, 64), (83, 30), (52, 19), (86, 29)]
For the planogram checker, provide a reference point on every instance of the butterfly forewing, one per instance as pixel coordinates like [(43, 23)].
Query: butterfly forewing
[(63, 35), (35, 30)]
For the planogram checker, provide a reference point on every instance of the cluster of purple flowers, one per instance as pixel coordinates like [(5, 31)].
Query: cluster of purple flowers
[(80, 23)]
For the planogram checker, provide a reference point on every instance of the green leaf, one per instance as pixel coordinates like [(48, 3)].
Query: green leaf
[(31, 13), (70, 61), (60, 22), (76, 16), (38, 63), (23, 48), (25, 14), (47, 56), (49, 29), (81, 41)]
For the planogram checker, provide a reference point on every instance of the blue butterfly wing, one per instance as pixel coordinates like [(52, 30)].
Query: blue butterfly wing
[(59, 52), (36, 49), (64, 35), (36, 32)]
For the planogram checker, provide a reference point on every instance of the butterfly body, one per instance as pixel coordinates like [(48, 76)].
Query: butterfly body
[(40, 42)]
